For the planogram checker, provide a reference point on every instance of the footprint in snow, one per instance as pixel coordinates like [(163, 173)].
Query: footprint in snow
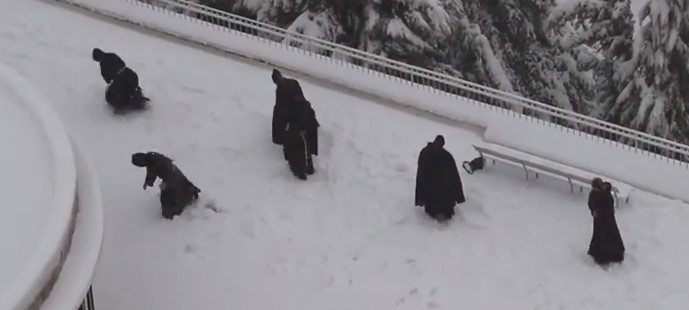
[(194, 250)]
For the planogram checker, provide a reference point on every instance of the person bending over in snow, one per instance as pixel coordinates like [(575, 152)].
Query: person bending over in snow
[(290, 101), (438, 185), (296, 146), (123, 93), (176, 191)]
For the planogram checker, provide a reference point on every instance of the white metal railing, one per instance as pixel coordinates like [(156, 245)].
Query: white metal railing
[(433, 81)]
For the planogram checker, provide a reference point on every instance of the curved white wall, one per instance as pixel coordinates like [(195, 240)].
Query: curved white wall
[(53, 211), (80, 264)]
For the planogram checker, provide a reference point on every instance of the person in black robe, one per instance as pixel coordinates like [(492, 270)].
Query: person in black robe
[(290, 103), (606, 244), (438, 185), (177, 192), (310, 125), (123, 93), (296, 146)]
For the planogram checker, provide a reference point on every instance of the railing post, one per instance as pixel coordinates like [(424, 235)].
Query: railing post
[(89, 302)]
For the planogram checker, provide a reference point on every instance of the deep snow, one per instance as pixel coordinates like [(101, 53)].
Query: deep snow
[(349, 238)]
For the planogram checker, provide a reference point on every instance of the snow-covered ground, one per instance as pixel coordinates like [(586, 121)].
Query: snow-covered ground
[(25, 184), (349, 238)]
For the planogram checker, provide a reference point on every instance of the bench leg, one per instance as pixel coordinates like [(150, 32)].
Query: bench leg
[(526, 171), (571, 186)]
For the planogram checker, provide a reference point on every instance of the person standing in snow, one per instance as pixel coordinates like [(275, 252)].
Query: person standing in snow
[(123, 93), (290, 104), (176, 191), (438, 185), (606, 244)]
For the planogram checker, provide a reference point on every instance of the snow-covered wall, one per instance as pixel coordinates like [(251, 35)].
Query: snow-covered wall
[(35, 274)]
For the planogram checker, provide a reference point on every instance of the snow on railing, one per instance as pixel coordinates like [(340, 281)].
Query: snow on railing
[(482, 96)]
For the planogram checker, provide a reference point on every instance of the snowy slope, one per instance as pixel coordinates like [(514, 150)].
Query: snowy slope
[(349, 238)]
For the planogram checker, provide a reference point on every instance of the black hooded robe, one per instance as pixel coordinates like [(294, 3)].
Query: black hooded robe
[(311, 126), (124, 92), (290, 104), (296, 147), (606, 244), (438, 184)]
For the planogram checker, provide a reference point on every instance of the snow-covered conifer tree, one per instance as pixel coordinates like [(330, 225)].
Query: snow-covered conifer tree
[(406, 30), (656, 94), (538, 68), (468, 52), (603, 30)]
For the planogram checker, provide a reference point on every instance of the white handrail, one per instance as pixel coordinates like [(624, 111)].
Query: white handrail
[(482, 95)]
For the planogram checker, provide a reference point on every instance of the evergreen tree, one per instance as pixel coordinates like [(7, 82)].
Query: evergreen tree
[(468, 51), (538, 67), (655, 95), (405, 30), (608, 27), (613, 32)]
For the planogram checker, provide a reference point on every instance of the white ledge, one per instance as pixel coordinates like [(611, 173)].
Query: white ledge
[(79, 266), (39, 183)]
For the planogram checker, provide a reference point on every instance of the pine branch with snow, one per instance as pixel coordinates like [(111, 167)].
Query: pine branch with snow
[(655, 95)]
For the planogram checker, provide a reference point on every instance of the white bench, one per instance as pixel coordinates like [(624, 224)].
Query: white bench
[(535, 164)]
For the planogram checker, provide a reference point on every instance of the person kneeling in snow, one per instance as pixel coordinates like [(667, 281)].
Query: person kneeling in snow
[(123, 93), (438, 185), (176, 191), (296, 146)]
